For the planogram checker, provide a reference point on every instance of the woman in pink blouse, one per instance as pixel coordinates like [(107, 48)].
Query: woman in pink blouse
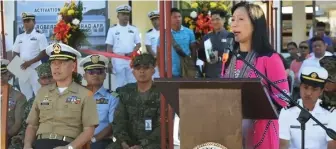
[(252, 42)]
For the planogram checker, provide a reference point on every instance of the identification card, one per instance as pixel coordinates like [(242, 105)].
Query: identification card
[(148, 124)]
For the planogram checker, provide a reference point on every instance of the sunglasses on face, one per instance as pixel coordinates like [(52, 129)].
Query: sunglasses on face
[(95, 71), (303, 47)]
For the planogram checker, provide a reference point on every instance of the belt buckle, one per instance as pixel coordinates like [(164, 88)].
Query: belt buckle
[(52, 136)]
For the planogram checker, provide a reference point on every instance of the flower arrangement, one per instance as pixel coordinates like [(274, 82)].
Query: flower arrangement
[(134, 54), (199, 19), (67, 29)]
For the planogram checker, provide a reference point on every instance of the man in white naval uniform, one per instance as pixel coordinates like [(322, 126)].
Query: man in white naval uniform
[(30, 46), (152, 37), (123, 39), (313, 80)]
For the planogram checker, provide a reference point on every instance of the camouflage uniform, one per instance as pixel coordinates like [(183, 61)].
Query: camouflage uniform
[(134, 109), (329, 63), (43, 70)]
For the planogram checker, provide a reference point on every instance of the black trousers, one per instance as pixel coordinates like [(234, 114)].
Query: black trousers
[(49, 143)]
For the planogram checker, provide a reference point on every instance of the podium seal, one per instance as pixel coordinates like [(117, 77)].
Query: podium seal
[(210, 145)]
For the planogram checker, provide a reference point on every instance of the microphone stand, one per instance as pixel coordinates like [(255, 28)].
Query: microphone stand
[(304, 114)]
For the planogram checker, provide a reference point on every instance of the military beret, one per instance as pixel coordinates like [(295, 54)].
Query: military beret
[(60, 51), (94, 61), (43, 70), (27, 15), (144, 59), (124, 8), (314, 76), (4, 64), (153, 14), (329, 63)]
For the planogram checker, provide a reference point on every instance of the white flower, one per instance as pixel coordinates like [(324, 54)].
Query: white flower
[(209, 13), (59, 18), (75, 21), (193, 14)]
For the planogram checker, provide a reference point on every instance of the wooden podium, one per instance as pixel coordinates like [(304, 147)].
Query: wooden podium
[(211, 110)]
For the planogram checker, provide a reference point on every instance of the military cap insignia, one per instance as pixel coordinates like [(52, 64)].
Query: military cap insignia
[(151, 14), (95, 59), (57, 48), (211, 145), (126, 8), (313, 75), (24, 15)]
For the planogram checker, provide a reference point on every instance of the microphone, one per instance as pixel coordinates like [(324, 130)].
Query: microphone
[(227, 48), (304, 116)]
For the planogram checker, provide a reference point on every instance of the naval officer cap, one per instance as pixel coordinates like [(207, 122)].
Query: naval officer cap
[(94, 61), (27, 15), (60, 51), (124, 9), (329, 63), (314, 76), (4, 64), (153, 14)]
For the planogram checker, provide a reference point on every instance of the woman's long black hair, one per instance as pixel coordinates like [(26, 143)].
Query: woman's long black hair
[(260, 39)]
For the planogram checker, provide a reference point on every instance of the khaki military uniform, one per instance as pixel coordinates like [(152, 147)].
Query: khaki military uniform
[(16, 104), (65, 114)]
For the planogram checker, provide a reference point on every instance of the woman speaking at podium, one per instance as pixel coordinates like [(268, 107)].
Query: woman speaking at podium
[(252, 43)]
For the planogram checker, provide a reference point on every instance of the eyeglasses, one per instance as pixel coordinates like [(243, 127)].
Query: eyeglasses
[(95, 71), (303, 47)]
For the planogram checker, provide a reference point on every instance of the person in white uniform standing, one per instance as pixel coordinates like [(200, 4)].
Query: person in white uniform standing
[(152, 37), (30, 46), (313, 80), (123, 39)]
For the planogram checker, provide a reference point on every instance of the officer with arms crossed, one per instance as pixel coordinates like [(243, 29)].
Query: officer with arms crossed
[(152, 36), (63, 115), (30, 47), (16, 104), (95, 73), (123, 39), (313, 80)]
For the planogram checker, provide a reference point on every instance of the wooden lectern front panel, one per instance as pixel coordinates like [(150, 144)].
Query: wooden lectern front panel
[(210, 115)]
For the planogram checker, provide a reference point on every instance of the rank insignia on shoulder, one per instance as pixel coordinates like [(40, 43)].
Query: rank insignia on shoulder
[(149, 30), (73, 100), (130, 31), (38, 31), (102, 101)]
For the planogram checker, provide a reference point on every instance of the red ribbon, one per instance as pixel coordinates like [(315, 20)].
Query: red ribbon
[(107, 54)]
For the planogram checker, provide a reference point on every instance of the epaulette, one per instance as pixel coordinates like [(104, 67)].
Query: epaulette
[(327, 106), (114, 25), (38, 31), (290, 105), (149, 30), (113, 93)]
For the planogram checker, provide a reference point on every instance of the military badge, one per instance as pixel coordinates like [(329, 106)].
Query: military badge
[(34, 38), (95, 59), (130, 31), (24, 15), (210, 145), (313, 75), (73, 100), (57, 48)]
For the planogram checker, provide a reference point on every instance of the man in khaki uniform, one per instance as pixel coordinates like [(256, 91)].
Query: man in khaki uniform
[(63, 115), (16, 104)]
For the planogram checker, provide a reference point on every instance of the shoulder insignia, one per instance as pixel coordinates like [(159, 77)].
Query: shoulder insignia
[(114, 25), (290, 106), (38, 31), (149, 30), (327, 107), (132, 25)]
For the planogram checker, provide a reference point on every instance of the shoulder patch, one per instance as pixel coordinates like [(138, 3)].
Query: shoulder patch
[(149, 30)]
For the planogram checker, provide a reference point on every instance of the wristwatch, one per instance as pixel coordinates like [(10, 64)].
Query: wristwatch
[(70, 147), (93, 140)]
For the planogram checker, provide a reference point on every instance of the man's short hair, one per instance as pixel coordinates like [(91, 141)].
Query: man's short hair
[(175, 10), (314, 39), (218, 12), (320, 24)]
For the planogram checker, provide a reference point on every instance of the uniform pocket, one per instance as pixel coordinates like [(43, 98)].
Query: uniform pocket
[(74, 107)]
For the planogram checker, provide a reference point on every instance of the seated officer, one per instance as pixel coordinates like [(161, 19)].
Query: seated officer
[(313, 80), (45, 78), (137, 117), (63, 115), (95, 74), (16, 102)]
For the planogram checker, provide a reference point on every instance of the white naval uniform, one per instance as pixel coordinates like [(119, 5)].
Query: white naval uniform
[(315, 136), (152, 37), (123, 39), (29, 46)]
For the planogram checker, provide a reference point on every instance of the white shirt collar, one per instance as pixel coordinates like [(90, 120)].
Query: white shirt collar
[(30, 32)]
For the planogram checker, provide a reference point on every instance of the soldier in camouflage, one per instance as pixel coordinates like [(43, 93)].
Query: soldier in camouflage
[(45, 78), (329, 94), (16, 102), (136, 123)]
